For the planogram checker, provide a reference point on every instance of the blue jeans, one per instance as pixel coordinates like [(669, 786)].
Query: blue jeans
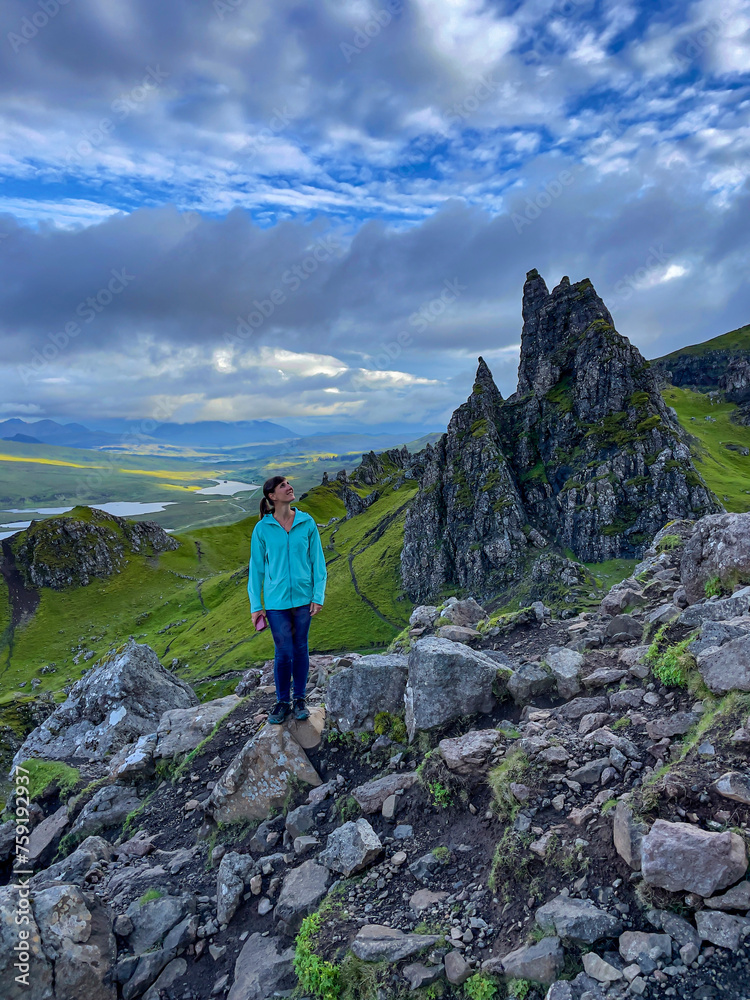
[(291, 660)]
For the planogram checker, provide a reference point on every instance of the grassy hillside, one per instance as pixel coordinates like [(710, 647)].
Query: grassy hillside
[(735, 340), (726, 472)]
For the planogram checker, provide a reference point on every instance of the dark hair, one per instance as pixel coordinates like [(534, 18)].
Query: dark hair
[(266, 505)]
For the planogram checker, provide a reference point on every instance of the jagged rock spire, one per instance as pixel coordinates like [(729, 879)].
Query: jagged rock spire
[(551, 322), (484, 380)]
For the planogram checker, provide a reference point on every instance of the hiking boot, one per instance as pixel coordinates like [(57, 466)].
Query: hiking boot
[(300, 709), (280, 711)]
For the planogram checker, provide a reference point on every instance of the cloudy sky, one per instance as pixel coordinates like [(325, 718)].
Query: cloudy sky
[(321, 213)]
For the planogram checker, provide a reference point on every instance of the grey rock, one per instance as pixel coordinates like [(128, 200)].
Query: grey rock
[(733, 785), (458, 633), (717, 611), (418, 974), (722, 929), (258, 777), (76, 933), (46, 833), (351, 848), (728, 667), (718, 547), (736, 898), (579, 707), (604, 676), (528, 681), (373, 794), (637, 946), (457, 969), (565, 665), (261, 968), (109, 807), (235, 872), (624, 626), (469, 753), (681, 857), (466, 612), (621, 701), (541, 962), (182, 729), (147, 970), (663, 614), (446, 680), (676, 724), (301, 820), (590, 773), (173, 971), (375, 683), (628, 835), (376, 943), (598, 969), (73, 868), (154, 918), (577, 920), (134, 758), (111, 705), (424, 614), (40, 971), (303, 889)]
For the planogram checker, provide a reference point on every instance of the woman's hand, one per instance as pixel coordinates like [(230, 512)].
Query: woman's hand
[(315, 608), (256, 615)]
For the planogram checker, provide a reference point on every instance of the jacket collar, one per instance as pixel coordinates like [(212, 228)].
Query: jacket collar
[(300, 515)]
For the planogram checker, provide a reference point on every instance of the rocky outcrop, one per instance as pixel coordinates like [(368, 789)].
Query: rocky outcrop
[(110, 706), (72, 549), (585, 454), (718, 550)]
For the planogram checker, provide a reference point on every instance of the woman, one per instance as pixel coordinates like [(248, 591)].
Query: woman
[(287, 561)]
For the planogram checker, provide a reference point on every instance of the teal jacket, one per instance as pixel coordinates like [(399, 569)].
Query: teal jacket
[(289, 565)]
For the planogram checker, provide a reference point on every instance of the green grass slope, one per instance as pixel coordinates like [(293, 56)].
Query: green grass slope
[(735, 340), (725, 471)]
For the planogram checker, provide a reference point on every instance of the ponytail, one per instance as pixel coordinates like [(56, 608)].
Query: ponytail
[(266, 505)]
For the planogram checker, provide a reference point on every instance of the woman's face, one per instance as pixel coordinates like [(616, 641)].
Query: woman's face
[(284, 492)]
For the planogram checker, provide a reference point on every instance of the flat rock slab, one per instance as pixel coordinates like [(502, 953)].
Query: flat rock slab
[(257, 778), (736, 898), (577, 920), (308, 732), (377, 943), (681, 857), (425, 899), (722, 929), (541, 962), (46, 833), (182, 729), (373, 794)]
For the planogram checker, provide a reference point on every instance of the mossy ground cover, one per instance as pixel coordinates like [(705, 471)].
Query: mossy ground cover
[(726, 472)]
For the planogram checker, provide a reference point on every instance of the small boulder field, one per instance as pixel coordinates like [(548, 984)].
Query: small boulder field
[(528, 804)]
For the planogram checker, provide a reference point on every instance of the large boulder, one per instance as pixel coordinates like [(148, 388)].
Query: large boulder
[(680, 857), (258, 777), (565, 665), (73, 868), (371, 796), (77, 938), (541, 962), (717, 611), (728, 667), (26, 974), (719, 547), (356, 693), (262, 967), (182, 729), (113, 704), (446, 680), (235, 872)]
